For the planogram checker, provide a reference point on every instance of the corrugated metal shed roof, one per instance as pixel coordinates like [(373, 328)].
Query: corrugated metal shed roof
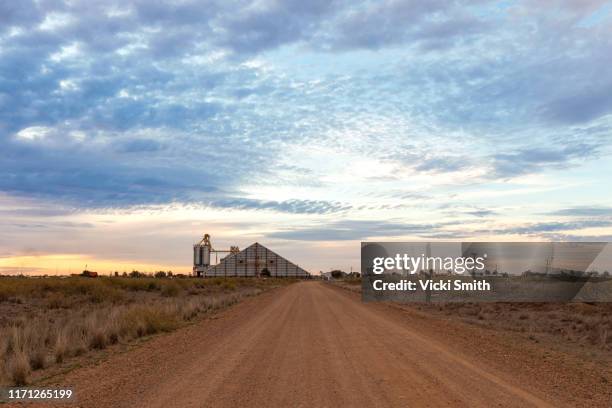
[(256, 260)]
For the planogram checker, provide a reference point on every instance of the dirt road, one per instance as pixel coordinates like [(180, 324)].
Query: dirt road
[(307, 344)]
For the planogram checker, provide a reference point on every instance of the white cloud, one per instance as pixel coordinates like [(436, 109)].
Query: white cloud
[(33, 133), (66, 52)]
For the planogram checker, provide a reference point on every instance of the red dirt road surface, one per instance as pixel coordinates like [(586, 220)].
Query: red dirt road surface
[(312, 344)]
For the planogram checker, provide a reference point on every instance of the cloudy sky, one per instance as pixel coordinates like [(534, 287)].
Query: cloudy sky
[(128, 129)]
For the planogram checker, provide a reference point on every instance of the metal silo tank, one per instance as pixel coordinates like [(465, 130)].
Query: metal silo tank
[(197, 256), (205, 255)]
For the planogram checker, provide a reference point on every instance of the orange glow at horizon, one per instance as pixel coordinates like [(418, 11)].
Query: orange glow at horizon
[(64, 264)]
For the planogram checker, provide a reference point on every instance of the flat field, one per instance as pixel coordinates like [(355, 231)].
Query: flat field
[(53, 324)]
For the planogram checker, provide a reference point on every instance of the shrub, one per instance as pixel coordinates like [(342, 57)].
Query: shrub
[(56, 301), (5, 294), (38, 359), (170, 290), (147, 320), (159, 321), (112, 328), (78, 340), (190, 310), (105, 293), (97, 339), (229, 285)]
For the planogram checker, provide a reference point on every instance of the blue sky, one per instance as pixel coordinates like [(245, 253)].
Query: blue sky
[(128, 129)]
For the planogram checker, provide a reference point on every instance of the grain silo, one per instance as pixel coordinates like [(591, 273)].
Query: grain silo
[(253, 261), (201, 255)]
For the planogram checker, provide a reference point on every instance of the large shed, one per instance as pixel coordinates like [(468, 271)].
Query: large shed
[(256, 260)]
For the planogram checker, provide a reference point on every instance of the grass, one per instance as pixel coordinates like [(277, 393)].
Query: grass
[(576, 324), (46, 322), (585, 325), (110, 289), (352, 281), (19, 368)]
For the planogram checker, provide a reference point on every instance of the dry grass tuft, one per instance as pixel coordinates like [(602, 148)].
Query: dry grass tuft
[(38, 359), (97, 338), (171, 290), (19, 368), (60, 349)]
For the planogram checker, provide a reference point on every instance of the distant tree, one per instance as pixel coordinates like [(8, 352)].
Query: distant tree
[(135, 274), (338, 274), (124, 274), (116, 274), (169, 274), (160, 274)]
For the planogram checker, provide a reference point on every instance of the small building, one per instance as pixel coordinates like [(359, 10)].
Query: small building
[(89, 274), (253, 261)]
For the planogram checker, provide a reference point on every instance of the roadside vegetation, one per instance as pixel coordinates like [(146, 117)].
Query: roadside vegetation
[(48, 322), (582, 326), (586, 325)]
